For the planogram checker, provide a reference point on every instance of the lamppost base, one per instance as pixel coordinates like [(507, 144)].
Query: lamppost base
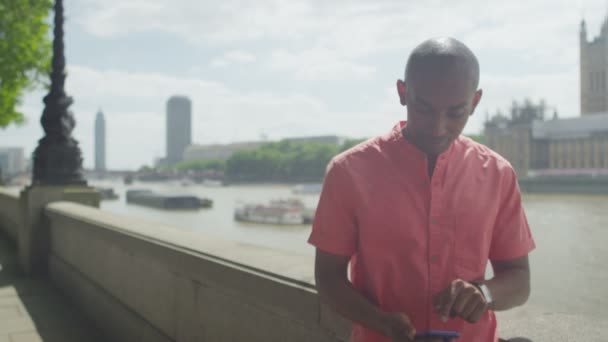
[(34, 237), (58, 163)]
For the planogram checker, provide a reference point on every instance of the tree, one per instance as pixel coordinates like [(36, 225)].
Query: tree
[(25, 53), (348, 143), (282, 161), (476, 137), (145, 168), (201, 165)]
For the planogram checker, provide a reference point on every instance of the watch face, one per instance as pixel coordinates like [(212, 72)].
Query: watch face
[(486, 293)]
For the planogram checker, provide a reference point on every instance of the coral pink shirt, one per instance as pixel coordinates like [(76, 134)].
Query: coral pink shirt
[(409, 235)]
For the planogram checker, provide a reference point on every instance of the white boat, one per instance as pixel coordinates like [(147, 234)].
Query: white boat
[(307, 189), (285, 212), (212, 183)]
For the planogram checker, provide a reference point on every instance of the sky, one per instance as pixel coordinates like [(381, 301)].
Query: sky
[(285, 68)]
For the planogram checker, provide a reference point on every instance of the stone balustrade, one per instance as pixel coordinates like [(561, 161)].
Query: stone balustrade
[(141, 281), (10, 214)]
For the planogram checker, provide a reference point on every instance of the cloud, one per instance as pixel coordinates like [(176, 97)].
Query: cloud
[(196, 21), (320, 40), (233, 57), (318, 64), (134, 106), (525, 51), (219, 63)]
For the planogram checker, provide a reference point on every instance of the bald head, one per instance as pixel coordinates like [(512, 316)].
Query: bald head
[(440, 56)]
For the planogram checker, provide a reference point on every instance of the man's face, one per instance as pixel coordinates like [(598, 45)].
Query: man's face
[(438, 107)]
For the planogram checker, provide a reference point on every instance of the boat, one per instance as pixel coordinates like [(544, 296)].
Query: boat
[(162, 201), (186, 182), (212, 183), (152, 177), (106, 193), (283, 212), (128, 179), (307, 189)]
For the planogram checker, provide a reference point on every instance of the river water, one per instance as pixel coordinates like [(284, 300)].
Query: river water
[(569, 266)]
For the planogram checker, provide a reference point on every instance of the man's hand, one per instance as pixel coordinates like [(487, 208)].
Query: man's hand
[(460, 299), (399, 327)]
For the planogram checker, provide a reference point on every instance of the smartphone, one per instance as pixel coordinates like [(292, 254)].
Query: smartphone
[(445, 335)]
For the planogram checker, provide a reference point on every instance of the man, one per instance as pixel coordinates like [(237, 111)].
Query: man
[(419, 212)]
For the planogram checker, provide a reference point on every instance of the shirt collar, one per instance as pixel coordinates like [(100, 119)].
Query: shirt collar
[(404, 147)]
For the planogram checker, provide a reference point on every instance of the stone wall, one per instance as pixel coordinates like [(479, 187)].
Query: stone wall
[(10, 214), (140, 281), (565, 185)]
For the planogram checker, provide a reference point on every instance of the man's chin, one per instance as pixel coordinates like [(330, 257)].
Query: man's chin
[(436, 149)]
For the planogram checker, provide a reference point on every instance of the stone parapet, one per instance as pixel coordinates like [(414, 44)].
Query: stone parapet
[(137, 278)]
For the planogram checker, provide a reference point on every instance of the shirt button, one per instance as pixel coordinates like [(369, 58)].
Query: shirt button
[(433, 221), (434, 258)]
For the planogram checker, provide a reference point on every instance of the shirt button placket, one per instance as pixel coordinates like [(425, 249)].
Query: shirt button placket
[(434, 258), (435, 229)]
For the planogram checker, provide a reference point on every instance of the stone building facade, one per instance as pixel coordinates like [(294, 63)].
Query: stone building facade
[(557, 146), (577, 145), (593, 65)]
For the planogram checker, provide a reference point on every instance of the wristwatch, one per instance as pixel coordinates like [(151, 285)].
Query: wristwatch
[(485, 291)]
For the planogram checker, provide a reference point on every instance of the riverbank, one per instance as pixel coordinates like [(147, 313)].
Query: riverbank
[(565, 185)]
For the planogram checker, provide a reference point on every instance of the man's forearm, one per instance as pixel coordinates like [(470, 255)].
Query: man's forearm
[(343, 298), (509, 288)]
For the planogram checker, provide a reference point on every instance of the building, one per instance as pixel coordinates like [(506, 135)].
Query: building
[(179, 128), (512, 137), (218, 151), (100, 142), (558, 146), (225, 151), (573, 146), (593, 65), (12, 161)]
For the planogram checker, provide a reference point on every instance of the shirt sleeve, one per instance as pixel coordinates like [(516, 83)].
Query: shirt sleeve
[(511, 237), (334, 229)]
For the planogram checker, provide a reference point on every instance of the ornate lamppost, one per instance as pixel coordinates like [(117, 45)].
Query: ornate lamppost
[(58, 159), (57, 165)]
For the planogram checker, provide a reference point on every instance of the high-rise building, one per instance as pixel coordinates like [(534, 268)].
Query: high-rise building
[(593, 66), (179, 128), (12, 160), (100, 142)]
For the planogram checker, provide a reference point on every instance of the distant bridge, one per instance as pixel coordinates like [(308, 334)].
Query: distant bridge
[(100, 174)]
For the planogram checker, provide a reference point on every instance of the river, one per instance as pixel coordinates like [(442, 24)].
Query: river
[(569, 266)]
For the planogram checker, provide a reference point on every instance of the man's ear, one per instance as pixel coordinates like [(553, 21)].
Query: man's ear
[(476, 99), (401, 90)]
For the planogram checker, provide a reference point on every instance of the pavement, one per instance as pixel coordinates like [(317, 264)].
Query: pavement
[(32, 310), (540, 325)]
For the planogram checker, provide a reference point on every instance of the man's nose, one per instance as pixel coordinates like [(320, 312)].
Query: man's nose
[(438, 127)]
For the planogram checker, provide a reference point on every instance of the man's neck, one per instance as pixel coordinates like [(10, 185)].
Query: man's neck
[(431, 158)]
